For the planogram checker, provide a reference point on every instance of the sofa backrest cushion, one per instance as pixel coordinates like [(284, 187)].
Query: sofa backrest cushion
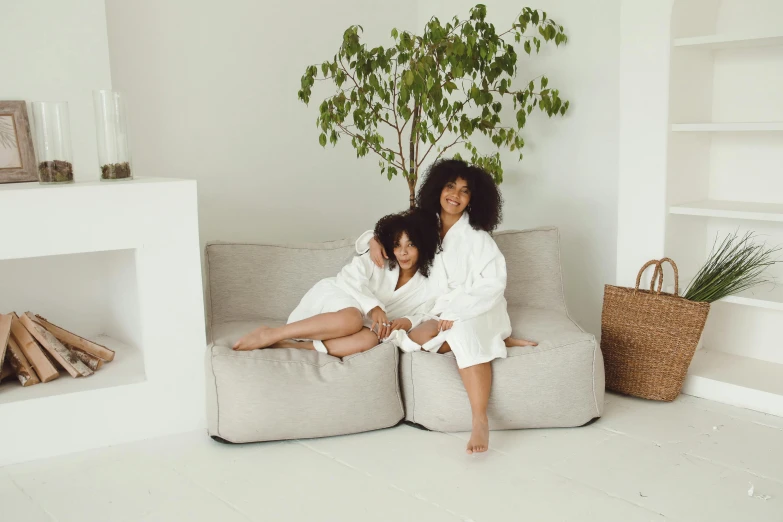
[(251, 281), (533, 267), (246, 282)]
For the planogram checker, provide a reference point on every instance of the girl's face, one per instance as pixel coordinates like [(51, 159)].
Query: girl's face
[(406, 253), (455, 196)]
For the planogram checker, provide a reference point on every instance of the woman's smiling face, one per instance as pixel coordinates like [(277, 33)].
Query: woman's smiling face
[(455, 196)]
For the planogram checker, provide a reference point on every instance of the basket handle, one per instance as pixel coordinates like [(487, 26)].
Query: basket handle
[(658, 275), (676, 274), (655, 275)]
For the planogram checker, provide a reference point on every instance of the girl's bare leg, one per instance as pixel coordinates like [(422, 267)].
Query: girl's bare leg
[(322, 326), (478, 381), (339, 347), (424, 332)]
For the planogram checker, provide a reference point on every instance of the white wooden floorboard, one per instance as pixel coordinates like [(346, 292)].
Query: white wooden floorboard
[(644, 461)]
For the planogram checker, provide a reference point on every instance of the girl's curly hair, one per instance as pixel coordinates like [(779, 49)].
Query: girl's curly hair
[(422, 229), (486, 204)]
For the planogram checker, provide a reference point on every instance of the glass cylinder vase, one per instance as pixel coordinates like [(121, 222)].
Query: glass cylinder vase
[(52, 129), (111, 124)]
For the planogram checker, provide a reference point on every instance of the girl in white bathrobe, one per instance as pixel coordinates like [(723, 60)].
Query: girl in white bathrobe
[(470, 275), (351, 312)]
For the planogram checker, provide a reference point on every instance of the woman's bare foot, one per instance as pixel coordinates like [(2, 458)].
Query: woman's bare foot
[(510, 341), (261, 337), (479, 437)]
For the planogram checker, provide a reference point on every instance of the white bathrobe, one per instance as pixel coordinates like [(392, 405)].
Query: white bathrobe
[(469, 277), (361, 284)]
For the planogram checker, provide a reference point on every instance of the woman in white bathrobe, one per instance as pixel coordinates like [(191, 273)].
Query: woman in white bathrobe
[(470, 277), (350, 313)]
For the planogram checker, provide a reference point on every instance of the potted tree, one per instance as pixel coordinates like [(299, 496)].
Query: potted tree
[(425, 94)]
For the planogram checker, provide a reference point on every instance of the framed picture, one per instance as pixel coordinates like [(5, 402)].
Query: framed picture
[(17, 158)]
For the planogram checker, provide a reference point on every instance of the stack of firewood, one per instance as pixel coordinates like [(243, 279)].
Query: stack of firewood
[(33, 350)]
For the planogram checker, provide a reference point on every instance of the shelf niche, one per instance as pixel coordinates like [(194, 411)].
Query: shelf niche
[(724, 175)]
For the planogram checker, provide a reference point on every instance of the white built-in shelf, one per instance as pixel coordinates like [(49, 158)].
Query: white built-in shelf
[(732, 379), (126, 368), (761, 126), (764, 296), (728, 41), (731, 209), (767, 295)]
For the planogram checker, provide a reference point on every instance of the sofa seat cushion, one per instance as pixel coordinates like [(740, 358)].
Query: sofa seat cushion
[(558, 383), (276, 394)]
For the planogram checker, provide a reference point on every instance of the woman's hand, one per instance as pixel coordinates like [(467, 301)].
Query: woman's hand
[(380, 323), (377, 252), (401, 324), (445, 325)]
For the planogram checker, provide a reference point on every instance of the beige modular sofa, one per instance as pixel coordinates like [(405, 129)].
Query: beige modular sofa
[(276, 394)]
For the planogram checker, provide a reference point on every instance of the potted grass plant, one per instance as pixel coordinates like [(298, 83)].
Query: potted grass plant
[(736, 265)]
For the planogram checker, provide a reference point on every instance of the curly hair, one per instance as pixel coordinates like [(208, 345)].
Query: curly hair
[(421, 228), (486, 203)]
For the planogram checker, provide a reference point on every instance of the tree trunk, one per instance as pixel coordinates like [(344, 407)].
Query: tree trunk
[(413, 175)]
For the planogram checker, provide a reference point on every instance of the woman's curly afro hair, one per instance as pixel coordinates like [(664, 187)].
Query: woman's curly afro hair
[(421, 228), (486, 204)]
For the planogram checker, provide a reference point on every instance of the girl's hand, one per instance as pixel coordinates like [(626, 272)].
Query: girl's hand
[(445, 325), (401, 324), (377, 253), (380, 323)]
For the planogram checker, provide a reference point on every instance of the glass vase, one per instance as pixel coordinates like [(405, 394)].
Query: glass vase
[(111, 124), (52, 129)]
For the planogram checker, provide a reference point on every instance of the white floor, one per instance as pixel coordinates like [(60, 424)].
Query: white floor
[(691, 460)]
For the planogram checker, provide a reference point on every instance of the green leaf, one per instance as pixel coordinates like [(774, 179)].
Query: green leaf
[(544, 82), (408, 78), (527, 46), (322, 139), (450, 86), (394, 33), (521, 118), (534, 18)]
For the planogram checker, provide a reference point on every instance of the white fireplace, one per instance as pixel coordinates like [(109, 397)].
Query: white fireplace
[(119, 263)]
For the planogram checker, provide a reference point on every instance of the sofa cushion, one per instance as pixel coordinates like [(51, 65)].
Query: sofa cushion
[(559, 383), (292, 394), (538, 324), (533, 267), (250, 281)]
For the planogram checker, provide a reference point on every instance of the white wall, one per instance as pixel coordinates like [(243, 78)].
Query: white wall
[(643, 120), (57, 50), (212, 91), (569, 175), (213, 95)]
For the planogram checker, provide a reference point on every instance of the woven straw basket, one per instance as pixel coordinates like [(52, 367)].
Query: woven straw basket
[(648, 338)]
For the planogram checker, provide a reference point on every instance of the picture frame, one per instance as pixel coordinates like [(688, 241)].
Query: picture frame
[(17, 155)]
